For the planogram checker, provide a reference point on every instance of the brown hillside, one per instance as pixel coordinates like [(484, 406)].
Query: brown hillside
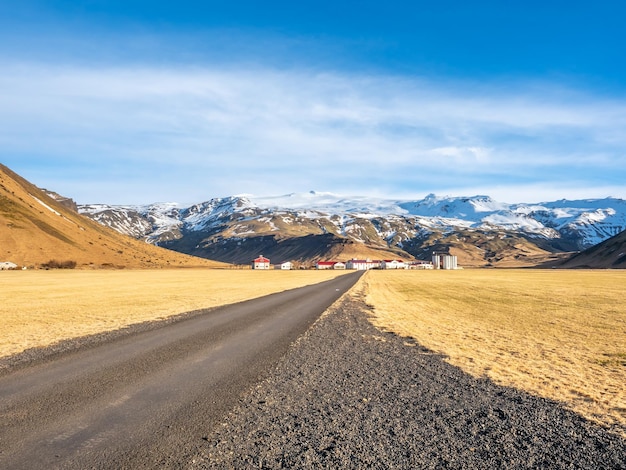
[(34, 229), (609, 254)]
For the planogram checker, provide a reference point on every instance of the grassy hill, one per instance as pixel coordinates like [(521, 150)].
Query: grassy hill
[(36, 229)]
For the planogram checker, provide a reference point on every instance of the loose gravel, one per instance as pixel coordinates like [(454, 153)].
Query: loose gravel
[(348, 395)]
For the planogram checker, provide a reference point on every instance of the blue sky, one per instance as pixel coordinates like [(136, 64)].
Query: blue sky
[(144, 101)]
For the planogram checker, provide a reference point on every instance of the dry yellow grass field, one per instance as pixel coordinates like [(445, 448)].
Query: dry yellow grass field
[(39, 308), (555, 333)]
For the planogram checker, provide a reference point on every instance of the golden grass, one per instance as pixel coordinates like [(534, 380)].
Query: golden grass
[(555, 333), (39, 308)]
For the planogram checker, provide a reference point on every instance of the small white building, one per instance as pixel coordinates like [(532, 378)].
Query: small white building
[(362, 264), (420, 265), (286, 266), (444, 261), (261, 263), (393, 264), (7, 265)]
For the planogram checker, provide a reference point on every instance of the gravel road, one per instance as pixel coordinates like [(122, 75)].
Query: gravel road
[(350, 396)]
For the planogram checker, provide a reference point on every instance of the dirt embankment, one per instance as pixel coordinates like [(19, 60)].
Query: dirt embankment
[(349, 396)]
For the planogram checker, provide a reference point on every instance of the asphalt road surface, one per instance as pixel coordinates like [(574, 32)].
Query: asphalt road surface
[(146, 400)]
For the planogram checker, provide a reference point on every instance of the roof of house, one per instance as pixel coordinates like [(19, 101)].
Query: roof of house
[(261, 259)]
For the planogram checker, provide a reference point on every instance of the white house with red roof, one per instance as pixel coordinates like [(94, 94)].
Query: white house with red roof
[(261, 263)]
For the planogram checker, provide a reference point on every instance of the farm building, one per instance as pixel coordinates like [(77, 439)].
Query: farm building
[(330, 265), (420, 265), (362, 264), (444, 261), (6, 265), (261, 263), (286, 266), (393, 264)]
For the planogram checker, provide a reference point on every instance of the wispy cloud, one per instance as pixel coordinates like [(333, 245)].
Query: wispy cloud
[(261, 130)]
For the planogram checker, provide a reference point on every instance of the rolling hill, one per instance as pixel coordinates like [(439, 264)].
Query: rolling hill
[(37, 227)]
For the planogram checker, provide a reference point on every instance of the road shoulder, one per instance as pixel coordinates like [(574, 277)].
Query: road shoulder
[(348, 395)]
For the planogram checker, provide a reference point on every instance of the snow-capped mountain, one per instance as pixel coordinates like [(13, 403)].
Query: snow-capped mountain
[(205, 228), (587, 222)]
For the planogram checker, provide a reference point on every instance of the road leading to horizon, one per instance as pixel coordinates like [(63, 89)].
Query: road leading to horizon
[(147, 400)]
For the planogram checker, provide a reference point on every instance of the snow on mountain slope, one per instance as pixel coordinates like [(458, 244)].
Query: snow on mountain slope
[(200, 216), (592, 220), (329, 203), (152, 222), (466, 208)]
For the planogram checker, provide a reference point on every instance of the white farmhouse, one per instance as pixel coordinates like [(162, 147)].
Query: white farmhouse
[(393, 264), (261, 263)]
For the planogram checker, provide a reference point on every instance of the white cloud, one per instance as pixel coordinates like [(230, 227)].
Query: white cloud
[(222, 129), (463, 154)]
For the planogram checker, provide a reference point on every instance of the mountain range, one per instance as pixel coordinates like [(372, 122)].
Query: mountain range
[(305, 227), (37, 226)]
